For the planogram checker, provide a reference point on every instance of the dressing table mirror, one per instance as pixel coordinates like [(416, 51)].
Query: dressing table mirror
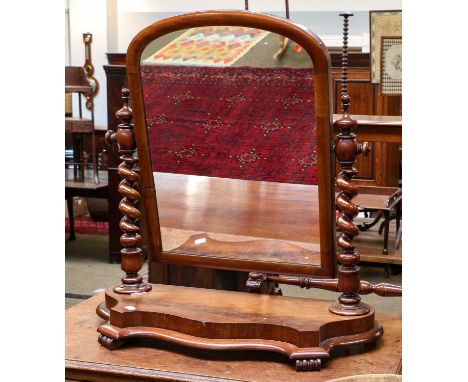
[(234, 143), (230, 147)]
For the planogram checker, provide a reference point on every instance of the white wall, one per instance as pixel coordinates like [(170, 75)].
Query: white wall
[(113, 23), (255, 5), (318, 15)]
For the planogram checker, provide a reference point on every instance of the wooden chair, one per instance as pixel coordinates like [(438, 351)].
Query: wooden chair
[(304, 330), (76, 82), (390, 211), (78, 182)]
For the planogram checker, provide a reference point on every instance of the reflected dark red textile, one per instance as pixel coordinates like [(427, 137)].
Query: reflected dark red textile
[(232, 122), (85, 225)]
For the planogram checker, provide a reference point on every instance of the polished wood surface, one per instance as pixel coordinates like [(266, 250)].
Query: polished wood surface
[(76, 81), (375, 121), (262, 209), (306, 331), (87, 183), (153, 360), (259, 250), (347, 150), (255, 209), (235, 321), (131, 252), (238, 207)]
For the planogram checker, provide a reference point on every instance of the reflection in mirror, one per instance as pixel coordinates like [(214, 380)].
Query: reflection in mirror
[(231, 125)]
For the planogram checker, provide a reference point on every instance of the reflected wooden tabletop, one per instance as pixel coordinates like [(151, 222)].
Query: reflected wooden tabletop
[(244, 207)]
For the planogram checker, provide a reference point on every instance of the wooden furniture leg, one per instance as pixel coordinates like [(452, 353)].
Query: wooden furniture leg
[(368, 225), (398, 238), (386, 231), (71, 218)]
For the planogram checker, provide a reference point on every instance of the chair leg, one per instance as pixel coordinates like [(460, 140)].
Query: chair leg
[(71, 218), (398, 238), (386, 225), (95, 162), (367, 225)]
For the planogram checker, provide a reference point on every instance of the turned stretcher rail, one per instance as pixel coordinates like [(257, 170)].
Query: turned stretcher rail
[(365, 287)]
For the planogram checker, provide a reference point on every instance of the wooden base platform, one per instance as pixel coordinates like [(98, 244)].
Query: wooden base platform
[(150, 360), (301, 329)]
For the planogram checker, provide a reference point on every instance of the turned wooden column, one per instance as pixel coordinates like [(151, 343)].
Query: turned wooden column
[(347, 149), (132, 258)]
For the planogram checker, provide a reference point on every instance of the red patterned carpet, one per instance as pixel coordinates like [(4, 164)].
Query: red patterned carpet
[(85, 225), (232, 122)]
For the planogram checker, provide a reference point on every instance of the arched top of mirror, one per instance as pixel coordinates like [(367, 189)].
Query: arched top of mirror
[(260, 210)]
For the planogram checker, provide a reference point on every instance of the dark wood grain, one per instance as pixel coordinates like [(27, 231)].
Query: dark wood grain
[(131, 253), (346, 148), (116, 80), (76, 81), (152, 360), (235, 321), (306, 331)]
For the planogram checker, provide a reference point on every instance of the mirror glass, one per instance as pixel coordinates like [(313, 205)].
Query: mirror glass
[(230, 113)]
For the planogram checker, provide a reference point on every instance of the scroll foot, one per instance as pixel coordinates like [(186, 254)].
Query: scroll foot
[(110, 343), (309, 364)]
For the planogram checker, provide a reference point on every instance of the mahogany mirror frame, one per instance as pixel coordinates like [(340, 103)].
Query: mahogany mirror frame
[(325, 156)]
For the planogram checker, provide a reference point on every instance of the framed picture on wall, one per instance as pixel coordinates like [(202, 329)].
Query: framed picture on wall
[(381, 24), (391, 69)]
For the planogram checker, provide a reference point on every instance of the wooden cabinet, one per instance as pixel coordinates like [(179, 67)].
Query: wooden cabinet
[(382, 167), (366, 97)]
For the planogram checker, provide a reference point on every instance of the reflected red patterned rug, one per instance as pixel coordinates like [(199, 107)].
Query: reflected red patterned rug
[(85, 225), (232, 122)]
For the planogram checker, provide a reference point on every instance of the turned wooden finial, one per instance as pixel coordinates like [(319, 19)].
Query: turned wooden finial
[(344, 57), (131, 252), (347, 149)]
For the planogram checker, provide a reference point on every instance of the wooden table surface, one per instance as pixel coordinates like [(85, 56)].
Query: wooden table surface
[(244, 207), (88, 182), (375, 120), (257, 209), (150, 361)]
